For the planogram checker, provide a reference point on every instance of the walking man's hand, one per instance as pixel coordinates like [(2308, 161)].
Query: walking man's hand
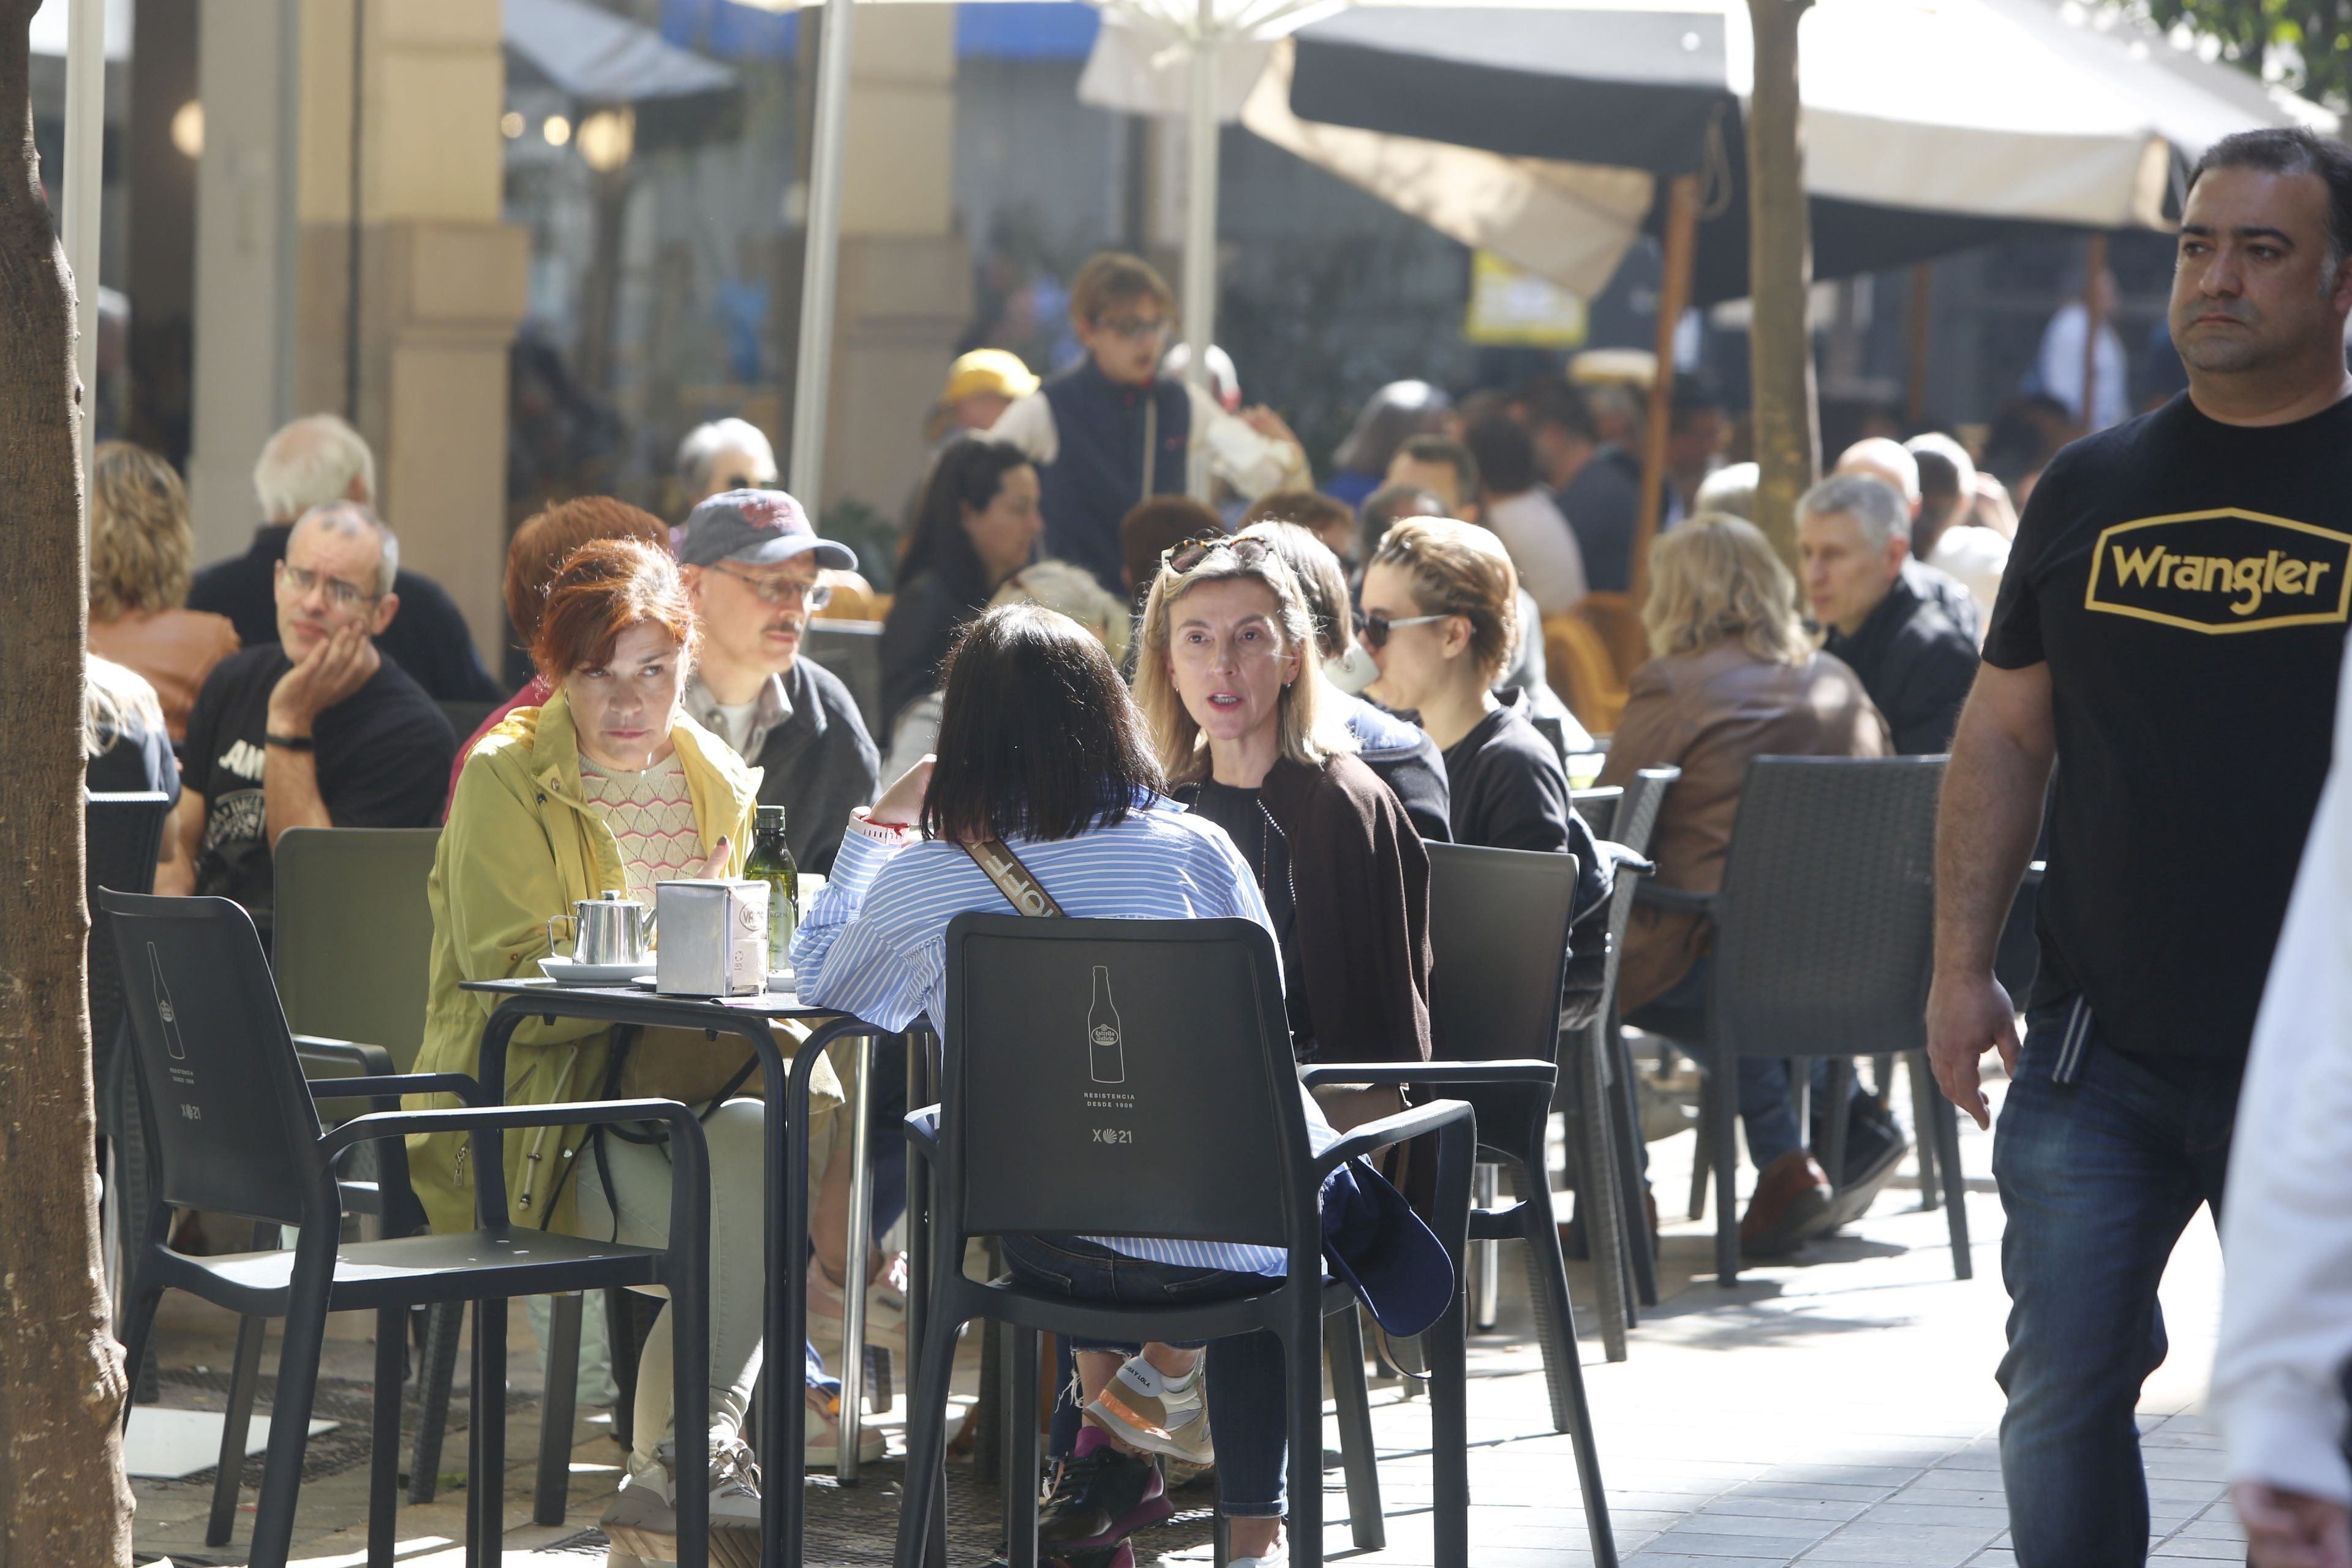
[(2290, 1529), (1969, 1014)]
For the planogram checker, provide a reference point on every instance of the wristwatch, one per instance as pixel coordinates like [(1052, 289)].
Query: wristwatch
[(288, 743)]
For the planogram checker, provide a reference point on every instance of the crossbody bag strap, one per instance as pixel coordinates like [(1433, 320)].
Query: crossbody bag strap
[(1004, 868)]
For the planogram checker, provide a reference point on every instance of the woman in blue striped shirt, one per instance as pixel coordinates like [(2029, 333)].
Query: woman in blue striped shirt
[(1041, 747)]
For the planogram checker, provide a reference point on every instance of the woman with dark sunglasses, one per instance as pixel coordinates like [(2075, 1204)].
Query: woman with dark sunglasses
[(1440, 614)]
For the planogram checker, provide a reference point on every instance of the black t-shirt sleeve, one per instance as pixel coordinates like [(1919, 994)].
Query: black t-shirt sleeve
[(201, 744), (2013, 640), (1924, 714), (1525, 799)]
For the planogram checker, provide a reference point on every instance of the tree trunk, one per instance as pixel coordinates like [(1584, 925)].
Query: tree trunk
[(63, 1497), (1780, 277)]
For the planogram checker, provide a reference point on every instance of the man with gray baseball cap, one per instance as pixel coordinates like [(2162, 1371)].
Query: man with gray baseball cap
[(753, 563)]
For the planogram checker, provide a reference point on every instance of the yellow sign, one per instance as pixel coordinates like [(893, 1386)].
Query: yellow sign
[(2223, 571), (1509, 306)]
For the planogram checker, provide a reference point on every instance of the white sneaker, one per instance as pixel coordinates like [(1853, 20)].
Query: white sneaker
[(1143, 1411), (1277, 1558), (643, 1519)]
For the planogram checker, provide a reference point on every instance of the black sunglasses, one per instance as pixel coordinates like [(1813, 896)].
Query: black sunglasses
[(1184, 557), (1375, 629)]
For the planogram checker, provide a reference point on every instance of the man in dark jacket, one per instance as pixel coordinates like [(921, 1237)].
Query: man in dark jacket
[(753, 563), (1853, 537), (312, 462)]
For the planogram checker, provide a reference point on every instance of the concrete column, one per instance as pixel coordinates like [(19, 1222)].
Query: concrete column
[(906, 273), (440, 278)]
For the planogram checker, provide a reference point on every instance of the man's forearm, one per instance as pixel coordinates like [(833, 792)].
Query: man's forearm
[(1991, 811), (289, 792)]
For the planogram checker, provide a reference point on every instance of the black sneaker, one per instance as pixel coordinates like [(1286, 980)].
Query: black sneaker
[(1874, 1146), (1100, 1500)]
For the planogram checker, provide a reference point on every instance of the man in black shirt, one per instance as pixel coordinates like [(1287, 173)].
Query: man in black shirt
[(1854, 535), (309, 463), (1600, 499), (314, 730), (2170, 630)]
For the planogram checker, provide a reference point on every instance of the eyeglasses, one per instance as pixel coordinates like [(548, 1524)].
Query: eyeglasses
[(301, 579), (1133, 330), (1375, 628), (1186, 554), (815, 595)]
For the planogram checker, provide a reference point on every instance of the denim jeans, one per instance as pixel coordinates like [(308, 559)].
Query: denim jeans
[(1767, 1111), (1244, 1373), (2101, 1164)]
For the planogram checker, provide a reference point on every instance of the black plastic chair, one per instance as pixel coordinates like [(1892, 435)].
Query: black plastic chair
[(238, 1134), (1017, 1146), (121, 836), (1824, 947)]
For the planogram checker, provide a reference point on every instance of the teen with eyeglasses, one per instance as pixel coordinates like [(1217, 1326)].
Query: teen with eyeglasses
[(754, 564), (1111, 431)]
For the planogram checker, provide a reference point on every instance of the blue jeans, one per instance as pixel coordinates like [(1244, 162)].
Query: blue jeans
[(2101, 1162), (1767, 1108), (1244, 1373)]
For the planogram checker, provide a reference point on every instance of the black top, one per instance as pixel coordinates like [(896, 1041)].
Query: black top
[(924, 616), (2185, 581), (1917, 666), (1406, 759), (1266, 853), (428, 638), (382, 753), (1603, 505), (135, 761), (819, 765), (1507, 788), (1117, 445)]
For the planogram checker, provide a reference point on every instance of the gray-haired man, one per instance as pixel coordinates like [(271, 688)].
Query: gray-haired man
[(1854, 535)]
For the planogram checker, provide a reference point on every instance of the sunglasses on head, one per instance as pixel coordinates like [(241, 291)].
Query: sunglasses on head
[(1375, 629), (1184, 557)]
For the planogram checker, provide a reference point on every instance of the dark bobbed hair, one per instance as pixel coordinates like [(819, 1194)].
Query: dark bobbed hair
[(603, 589), (1038, 736), (2291, 150), (968, 473), (1506, 456)]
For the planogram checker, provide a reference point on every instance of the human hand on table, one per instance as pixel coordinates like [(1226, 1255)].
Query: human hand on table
[(2291, 1529), (1967, 1016)]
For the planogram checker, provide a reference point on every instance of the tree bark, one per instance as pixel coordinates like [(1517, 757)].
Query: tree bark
[(63, 1497), (1779, 279)]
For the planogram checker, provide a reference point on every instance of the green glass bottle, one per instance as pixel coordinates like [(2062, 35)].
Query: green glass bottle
[(771, 862)]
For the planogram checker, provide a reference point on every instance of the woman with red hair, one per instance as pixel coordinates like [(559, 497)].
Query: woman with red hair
[(608, 785)]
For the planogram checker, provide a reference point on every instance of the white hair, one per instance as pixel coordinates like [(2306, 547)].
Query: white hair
[(703, 444), (1731, 488), (1877, 507), (1887, 459), (349, 517), (310, 462)]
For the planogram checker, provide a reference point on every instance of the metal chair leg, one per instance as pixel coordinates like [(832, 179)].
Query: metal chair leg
[(437, 1369), (1600, 1200), (1449, 1424), (1021, 1448), (1303, 1399), (1486, 1256), (1547, 1295), (1343, 1350), (1946, 1123), (1705, 1150), (1722, 1113), (1925, 1136), (243, 1382), (384, 1456), (289, 1417), (1833, 1121), (1624, 1106), (557, 1408), (486, 1494)]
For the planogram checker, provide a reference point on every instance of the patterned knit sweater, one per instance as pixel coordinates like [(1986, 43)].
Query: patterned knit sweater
[(652, 815)]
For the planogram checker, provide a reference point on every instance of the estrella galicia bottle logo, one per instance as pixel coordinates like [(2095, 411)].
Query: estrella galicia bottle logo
[(2223, 571), (1105, 1041)]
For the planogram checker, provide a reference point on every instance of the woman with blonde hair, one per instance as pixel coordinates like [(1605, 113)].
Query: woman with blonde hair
[(141, 558), (1226, 681), (1733, 677)]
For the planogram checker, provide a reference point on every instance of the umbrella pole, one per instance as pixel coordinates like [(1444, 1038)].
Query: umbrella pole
[(1200, 230), (1919, 310), (85, 131), (1673, 299), (821, 262)]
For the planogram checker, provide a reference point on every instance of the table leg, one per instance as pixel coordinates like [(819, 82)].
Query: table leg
[(856, 1259)]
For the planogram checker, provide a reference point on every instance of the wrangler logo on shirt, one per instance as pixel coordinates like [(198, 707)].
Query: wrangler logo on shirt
[(2224, 571)]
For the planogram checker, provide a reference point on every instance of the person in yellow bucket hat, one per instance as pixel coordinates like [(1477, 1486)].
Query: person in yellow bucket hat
[(981, 385)]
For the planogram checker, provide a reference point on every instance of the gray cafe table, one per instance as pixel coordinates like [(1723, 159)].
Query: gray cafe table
[(782, 1411)]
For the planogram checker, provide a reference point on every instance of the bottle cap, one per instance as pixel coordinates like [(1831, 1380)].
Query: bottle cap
[(770, 815)]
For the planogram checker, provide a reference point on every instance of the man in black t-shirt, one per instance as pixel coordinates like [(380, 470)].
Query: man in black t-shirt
[(2170, 630), (316, 730)]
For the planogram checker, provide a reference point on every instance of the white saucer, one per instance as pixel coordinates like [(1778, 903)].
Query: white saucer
[(565, 972)]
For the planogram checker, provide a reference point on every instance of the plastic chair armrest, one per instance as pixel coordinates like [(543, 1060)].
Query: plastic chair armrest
[(372, 1060), (923, 1132), (1502, 1070), (1374, 1136), (1679, 900), (502, 1119), (393, 1085)]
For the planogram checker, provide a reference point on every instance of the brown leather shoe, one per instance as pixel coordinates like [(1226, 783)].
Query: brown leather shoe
[(1790, 1203)]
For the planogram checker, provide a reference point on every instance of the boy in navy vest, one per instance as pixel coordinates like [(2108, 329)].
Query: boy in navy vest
[(1111, 431)]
